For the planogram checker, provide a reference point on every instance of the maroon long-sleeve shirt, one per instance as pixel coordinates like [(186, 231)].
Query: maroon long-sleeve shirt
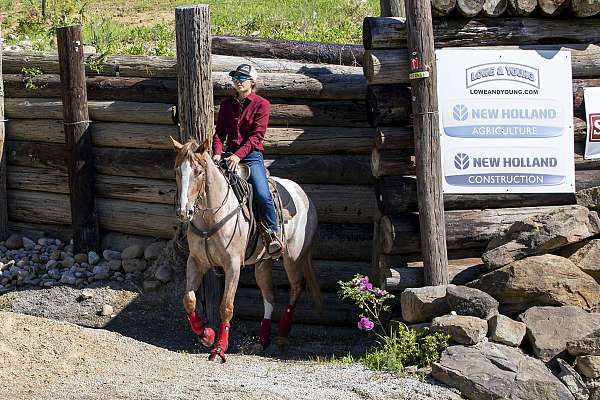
[(243, 125)]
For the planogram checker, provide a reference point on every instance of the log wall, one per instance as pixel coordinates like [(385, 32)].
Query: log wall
[(318, 136)]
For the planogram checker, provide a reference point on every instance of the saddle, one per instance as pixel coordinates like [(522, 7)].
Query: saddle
[(285, 209)]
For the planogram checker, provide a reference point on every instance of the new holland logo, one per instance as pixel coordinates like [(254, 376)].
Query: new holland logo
[(460, 112), (502, 71), (461, 161)]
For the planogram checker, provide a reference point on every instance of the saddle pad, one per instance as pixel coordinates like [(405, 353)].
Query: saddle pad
[(287, 203)]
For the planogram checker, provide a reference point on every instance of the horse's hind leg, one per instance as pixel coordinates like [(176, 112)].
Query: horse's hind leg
[(263, 273), (293, 269), (194, 275)]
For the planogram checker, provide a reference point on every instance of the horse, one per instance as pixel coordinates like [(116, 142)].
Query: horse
[(218, 237)]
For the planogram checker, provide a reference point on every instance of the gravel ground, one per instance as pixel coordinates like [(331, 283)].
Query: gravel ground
[(146, 351)]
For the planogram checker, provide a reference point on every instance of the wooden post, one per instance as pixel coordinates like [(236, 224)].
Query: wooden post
[(427, 142), (3, 199), (392, 8), (196, 109), (78, 138)]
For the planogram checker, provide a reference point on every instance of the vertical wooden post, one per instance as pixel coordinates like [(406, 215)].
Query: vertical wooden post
[(196, 109), (392, 8), (84, 218), (427, 143), (3, 199)]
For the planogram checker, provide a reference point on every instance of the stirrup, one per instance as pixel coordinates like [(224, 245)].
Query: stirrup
[(274, 247)]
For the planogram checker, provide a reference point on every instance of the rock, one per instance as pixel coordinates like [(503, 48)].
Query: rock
[(588, 366), (550, 328), (107, 310), (541, 234), (42, 241), (587, 258), (85, 294), (422, 304), (533, 282), (89, 49), (164, 273), (111, 255), (462, 328), (28, 244), (153, 251), (152, 285), (93, 258), (68, 279), (131, 252), (492, 371), (101, 272), (51, 263), (470, 301), (134, 265), (14, 242), (81, 258), (594, 388), (588, 346), (572, 380), (68, 262), (115, 265), (504, 330)]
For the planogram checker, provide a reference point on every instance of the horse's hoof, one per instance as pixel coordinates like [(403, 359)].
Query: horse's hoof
[(208, 337), (256, 349), (283, 344), (217, 351)]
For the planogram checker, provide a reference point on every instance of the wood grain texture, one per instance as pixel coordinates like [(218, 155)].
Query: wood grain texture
[(3, 204), (441, 8), (469, 8), (584, 8), (550, 8), (521, 8), (494, 8)]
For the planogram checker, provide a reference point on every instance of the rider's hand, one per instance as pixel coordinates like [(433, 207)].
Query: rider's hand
[(217, 158), (232, 162)]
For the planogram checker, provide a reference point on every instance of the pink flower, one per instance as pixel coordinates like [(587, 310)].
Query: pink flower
[(364, 285), (380, 293), (365, 324)]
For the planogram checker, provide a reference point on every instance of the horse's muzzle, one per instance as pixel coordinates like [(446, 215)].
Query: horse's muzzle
[(185, 215)]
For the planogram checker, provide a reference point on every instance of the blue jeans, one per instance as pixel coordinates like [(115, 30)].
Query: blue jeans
[(260, 186)]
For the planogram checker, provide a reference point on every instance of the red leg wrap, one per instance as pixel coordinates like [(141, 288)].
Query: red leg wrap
[(285, 324), (205, 333), (222, 343), (265, 333)]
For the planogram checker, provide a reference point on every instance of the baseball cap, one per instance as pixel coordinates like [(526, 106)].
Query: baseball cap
[(245, 69)]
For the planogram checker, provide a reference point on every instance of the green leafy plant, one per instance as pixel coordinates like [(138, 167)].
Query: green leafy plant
[(398, 346), (95, 62), (28, 74)]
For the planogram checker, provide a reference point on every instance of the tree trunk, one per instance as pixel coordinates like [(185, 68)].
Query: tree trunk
[(469, 8), (3, 206), (392, 8)]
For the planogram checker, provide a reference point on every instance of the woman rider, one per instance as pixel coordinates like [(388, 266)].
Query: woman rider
[(243, 121)]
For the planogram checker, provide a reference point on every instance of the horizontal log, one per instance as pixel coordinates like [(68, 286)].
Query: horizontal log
[(278, 140), (391, 65), (389, 138), (493, 8), (550, 8), (388, 105), (248, 305), (291, 112), (35, 231), (464, 228), (158, 164), (460, 272), (148, 90), (398, 162), (441, 8), (334, 241), (584, 8), (328, 274), (161, 67), (334, 203), (469, 8), (521, 8), (390, 32)]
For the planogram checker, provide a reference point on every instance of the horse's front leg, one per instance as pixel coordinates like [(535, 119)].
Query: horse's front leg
[(194, 275), (232, 277)]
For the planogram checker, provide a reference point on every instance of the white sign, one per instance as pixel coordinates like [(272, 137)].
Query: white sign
[(591, 97), (506, 121)]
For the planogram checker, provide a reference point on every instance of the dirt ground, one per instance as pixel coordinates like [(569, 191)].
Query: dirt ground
[(146, 351)]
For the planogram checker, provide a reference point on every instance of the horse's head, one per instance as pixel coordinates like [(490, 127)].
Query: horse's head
[(190, 172)]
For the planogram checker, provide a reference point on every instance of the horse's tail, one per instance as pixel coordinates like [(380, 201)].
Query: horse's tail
[(312, 283)]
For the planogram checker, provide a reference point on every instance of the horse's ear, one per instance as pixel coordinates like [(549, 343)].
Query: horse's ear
[(205, 146), (176, 144)]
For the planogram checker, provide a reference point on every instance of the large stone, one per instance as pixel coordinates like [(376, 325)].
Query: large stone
[(550, 328), (164, 273), (588, 366), (153, 251), (587, 258), (546, 280), (587, 346), (14, 242), (131, 252), (504, 330), (111, 255), (462, 329), (81, 258), (422, 304), (470, 301), (134, 265), (101, 271), (572, 380), (541, 234), (93, 258), (491, 371)]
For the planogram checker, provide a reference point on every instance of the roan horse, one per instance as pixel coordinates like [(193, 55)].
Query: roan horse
[(204, 200)]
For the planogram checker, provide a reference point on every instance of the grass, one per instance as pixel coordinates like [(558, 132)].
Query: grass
[(148, 26)]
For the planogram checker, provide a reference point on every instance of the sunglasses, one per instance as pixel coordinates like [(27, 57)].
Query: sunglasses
[(240, 78)]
